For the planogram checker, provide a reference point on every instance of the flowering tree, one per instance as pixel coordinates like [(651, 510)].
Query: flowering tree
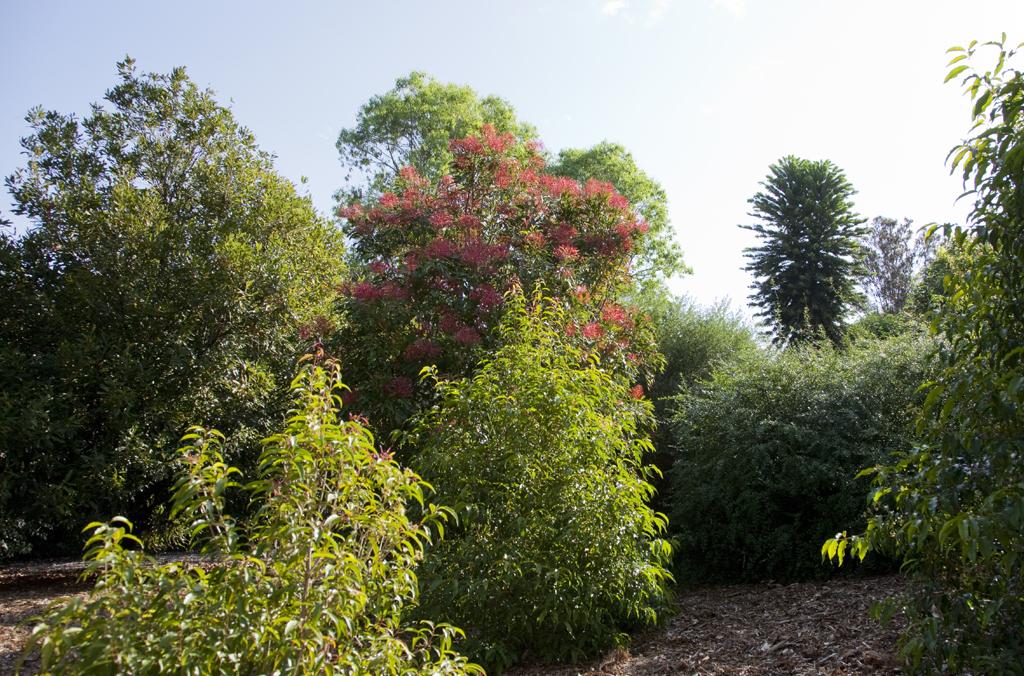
[(435, 259)]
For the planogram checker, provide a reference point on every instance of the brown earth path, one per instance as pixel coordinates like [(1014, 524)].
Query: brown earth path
[(804, 628)]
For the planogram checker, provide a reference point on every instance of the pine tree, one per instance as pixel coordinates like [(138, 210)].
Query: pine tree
[(809, 259)]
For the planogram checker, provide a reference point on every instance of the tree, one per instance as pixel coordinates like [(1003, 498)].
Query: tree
[(893, 259), (414, 122), (809, 259), (542, 452), (942, 274), (411, 125), (439, 258), (168, 271), (660, 255), (953, 506)]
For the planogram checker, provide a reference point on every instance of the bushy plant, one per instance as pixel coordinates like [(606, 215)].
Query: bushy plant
[(767, 449), (541, 454), (693, 341), (953, 506), (167, 272), (437, 258), (316, 584), (875, 325)]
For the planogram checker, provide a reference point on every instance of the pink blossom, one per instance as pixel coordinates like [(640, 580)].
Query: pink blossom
[(411, 176), (388, 199), (563, 234), (469, 222), (566, 253), (637, 392), (534, 239), (449, 323), (351, 212), (596, 187), (614, 314), (560, 185), (440, 219), (440, 248), (496, 142), (421, 348), (467, 336), (593, 330), (399, 386), (393, 291), (486, 297), (471, 145), (365, 291)]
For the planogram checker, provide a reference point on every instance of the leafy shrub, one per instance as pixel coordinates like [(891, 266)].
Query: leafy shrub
[(953, 506), (693, 340), (316, 584), (167, 273), (767, 449), (541, 452), (883, 325)]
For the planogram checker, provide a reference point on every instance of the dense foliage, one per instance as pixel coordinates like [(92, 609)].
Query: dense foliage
[(953, 507), (693, 340), (953, 259), (411, 125), (438, 258), (167, 272), (807, 265), (658, 254), (316, 584), (767, 449), (541, 454)]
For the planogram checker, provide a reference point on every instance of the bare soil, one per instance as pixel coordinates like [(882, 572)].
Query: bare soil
[(805, 628)]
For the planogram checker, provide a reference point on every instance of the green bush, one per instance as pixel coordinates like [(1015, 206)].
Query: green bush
[(953, 506), (541, 453), (316, 584), (167, 273), (693, 340), (767, 449)]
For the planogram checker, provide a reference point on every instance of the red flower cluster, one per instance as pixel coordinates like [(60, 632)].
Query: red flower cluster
[(566, 253), (467, 336), (440, 248), (486, 297), (421, 349), (399, 386), (444, 255)]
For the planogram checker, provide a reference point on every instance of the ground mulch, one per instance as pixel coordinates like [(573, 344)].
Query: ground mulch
[(26, 591), (805, 628)]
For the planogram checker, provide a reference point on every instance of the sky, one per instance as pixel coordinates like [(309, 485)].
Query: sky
[(706, 94)]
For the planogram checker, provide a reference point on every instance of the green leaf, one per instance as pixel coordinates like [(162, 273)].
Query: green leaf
[(956, 71)]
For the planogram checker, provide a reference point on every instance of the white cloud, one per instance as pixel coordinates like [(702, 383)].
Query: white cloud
[(613, 7), (738, 8), (658, 9)]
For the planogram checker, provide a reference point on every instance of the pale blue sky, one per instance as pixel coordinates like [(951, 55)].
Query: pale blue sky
[(705, 93)]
